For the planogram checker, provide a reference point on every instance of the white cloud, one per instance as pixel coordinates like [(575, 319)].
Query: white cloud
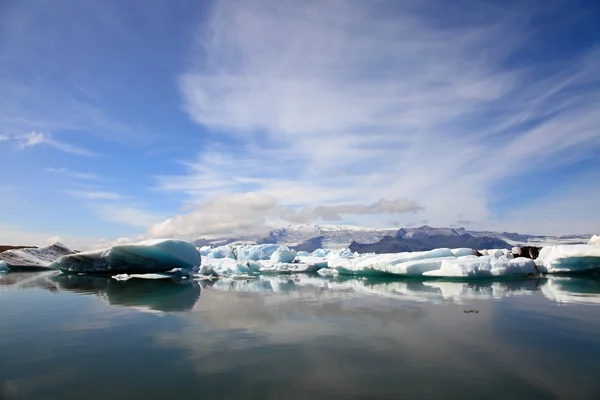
[(338, 103), (33, 138), (240, 212)]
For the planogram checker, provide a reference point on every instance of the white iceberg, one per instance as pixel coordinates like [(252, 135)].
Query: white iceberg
[(483, 267), (256, 252), (413, 263), (462, 252), (150, 256), (283, 255), (594, 240), (28, 258), (224, 266), (569, 258)]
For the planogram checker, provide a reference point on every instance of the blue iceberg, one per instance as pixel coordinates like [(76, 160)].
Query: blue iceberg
[(150, 256)]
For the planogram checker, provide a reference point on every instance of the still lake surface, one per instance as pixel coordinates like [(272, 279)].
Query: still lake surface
[(298, 337)]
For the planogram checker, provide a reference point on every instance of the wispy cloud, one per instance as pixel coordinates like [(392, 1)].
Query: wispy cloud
[(73, 174), (33, 138), (339, 102), (92, 194), (127, 215)]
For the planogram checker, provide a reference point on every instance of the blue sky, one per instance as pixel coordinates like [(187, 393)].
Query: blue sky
[(127, 119)]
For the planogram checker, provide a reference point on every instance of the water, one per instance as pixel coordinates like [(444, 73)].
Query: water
[(77, 337)]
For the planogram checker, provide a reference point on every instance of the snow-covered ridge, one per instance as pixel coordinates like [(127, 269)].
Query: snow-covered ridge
[(341, 236)]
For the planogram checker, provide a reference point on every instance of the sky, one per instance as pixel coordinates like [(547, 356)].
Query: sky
[(130, 119)]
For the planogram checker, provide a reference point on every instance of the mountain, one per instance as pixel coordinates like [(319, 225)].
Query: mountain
[(427, 238), (310, 237)]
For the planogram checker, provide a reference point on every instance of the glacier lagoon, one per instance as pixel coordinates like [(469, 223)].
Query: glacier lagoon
[(299, 336)]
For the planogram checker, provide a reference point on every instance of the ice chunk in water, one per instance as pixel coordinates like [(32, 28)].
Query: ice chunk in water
[(594, 240), (569, 258), (283, 255), (414, 263), (483, 267), (150, 256)]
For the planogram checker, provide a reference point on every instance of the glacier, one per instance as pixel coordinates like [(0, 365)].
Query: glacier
[(150, 256)]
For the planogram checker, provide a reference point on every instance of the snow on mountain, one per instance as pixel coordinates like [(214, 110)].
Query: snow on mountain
[(311, 236)]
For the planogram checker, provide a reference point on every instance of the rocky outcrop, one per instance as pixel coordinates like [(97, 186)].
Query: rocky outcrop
[(310, 245), (526, 251)]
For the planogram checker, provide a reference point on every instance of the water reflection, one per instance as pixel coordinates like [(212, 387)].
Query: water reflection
[(180, 294), (560, 289), (577, 289), (164, 295)]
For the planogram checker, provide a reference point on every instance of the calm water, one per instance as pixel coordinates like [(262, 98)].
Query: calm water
[(76, 337)]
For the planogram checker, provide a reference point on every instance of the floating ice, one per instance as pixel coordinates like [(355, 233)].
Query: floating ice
[(150, 256), (320, 253), (594, 240), (34, 257), (205, 250), (125, 277), (569, 258), (414, 263), (256, 252), (224, 266), (221, 252), (461, 252), (3, 266), (483, 267), (323, 263), (283, 255)]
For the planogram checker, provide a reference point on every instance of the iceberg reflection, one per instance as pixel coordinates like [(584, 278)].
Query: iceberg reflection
[(559, 289), (165, 295), (564, 289)]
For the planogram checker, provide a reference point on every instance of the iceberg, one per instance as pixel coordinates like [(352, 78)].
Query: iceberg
[(462, 252), (3, 266), (256, 252), (34, 258), (283, 255), (221, 252), (224, 266), (594, 240), (483, 267), (412, 263), (150, 256), (569, 258)]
